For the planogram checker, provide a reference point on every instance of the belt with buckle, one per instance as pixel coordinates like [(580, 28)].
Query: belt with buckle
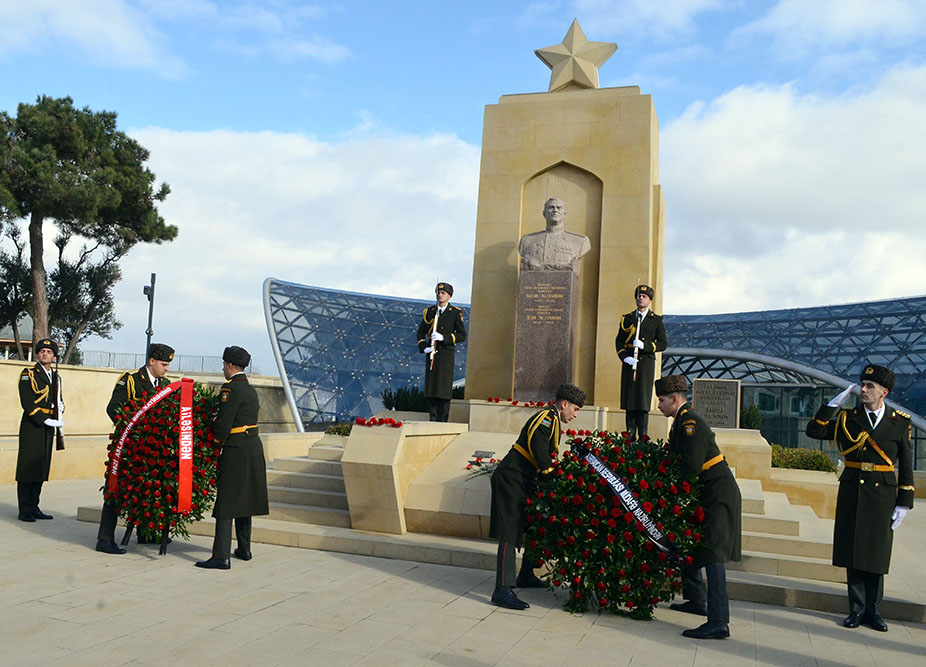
[(869, 467)]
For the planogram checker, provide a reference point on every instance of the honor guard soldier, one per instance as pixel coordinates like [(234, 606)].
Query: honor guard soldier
[(514, 479), (693, 440), (241, 491), (440, 330), (40, 398), (146, 381), (641, 336), (872, 500)]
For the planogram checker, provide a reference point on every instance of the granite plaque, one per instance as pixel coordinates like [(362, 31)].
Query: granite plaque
[(545, 338), (718, 401)]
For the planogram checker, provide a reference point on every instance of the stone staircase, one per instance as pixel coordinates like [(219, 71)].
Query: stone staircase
[(309, 489)]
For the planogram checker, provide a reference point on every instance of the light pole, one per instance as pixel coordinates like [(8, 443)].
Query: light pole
[(149, 292)]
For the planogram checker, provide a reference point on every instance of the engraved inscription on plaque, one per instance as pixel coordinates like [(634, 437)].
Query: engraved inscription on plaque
[(718, 401)]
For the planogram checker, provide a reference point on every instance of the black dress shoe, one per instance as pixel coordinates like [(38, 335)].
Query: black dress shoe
[(109, 547), (39, 514), (241, 554), (529, 580), (689, 607), (26, 517), (876, 623), (852, 621), (215, 564), (710, 630), (503, 596)]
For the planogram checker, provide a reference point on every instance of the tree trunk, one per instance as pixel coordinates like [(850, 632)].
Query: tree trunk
[(19, 343), (40, 298)]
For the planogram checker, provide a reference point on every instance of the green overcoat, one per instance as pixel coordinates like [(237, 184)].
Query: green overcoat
[(37, 398), (242, 481), (638, 394), (693, 439), (439, 382), (862, 535)]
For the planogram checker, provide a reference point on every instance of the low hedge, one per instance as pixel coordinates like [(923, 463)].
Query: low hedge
[(801, 458)]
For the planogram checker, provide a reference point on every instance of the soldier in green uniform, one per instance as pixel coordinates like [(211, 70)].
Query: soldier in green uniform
[(39, 392), (146, 381), (514, 479), (641, 336), (242, 481), (438, 344), (872, 501), (691, 438)]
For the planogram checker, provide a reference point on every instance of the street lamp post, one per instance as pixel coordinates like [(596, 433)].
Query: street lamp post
[(149, 292)]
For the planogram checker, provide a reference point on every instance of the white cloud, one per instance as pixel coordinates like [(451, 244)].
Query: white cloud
[(777, 199), (384, 214), (662, 20), (798, 26), (110, 32)]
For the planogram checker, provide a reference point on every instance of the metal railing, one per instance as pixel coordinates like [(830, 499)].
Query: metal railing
[(187, 363)]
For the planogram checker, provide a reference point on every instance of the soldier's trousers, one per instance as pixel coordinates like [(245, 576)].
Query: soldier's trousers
[(715, 597), (866, 590), (221, 545)]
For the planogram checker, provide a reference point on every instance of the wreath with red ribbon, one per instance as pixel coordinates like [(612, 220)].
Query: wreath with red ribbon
[(599, 549), (164, 457)]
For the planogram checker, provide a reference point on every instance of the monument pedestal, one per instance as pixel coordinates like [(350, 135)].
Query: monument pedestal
[(545, 339)]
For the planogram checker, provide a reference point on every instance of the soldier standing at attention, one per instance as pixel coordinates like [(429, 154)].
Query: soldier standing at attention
[(871, 502), (691, 438), (39, 393), (438, 344), (642, 335), (146, 381), (242, 482), (514, 480)]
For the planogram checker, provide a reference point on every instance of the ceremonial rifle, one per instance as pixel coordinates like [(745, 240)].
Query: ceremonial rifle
[(636, 350), (56, 412), (434, 330)]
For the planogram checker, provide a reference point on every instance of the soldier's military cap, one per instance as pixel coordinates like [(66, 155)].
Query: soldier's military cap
[(160, 352), (644, 289), (447, 287), (237, 356), (571, 393), (671, 384), (883, 376), (47, 343)]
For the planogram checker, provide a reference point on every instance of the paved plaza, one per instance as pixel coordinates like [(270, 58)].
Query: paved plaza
[(62, 603)]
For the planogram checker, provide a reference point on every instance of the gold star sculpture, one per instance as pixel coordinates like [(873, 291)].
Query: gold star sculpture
[(576, 60)]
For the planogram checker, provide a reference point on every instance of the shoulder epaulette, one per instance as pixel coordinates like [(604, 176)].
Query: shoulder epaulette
[(902, 414)]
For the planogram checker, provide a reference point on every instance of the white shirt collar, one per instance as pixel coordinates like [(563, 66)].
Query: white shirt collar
[(877, 413)]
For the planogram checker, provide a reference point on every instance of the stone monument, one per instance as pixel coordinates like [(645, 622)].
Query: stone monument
[(597, 149), (548, 301)]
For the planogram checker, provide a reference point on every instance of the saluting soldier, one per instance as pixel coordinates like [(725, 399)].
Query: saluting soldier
[(441, 343), (872, 501), (39, 392), (514, 479), (242, 481), (146, 381), (691, 438), (642, 334)]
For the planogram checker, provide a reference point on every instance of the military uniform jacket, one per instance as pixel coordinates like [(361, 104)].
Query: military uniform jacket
[(693, 439), (129, 386), (639, 395), (242, 480), (439, 382), (37, 398), (516, 476), (862, 535)]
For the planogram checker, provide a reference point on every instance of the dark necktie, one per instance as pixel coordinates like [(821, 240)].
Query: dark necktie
[(872, 416)]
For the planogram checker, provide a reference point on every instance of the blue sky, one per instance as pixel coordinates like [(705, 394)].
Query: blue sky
[(337, 144)]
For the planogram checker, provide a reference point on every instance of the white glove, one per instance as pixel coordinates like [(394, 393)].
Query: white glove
[(638, 343), (841, 398), (54, 423), (630, 361), (428, 349), (437, 336), (897, 516)]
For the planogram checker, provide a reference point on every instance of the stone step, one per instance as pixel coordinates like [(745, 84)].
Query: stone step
[(788, 545), (309, 497), (324, 516), (825, 596), (817, 569), (326, 452), (307, 465), (753, 496), (777, 525), (305, 480)]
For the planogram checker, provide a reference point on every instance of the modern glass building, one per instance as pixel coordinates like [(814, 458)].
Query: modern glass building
[(338, 351)]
